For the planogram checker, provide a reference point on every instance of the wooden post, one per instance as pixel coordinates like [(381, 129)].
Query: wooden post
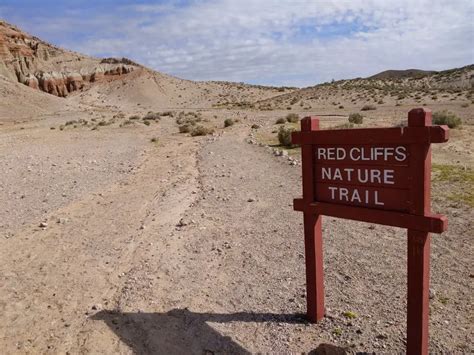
[(418, 259), (312, 231)]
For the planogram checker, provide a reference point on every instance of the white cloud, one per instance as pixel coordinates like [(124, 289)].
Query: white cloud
[(263, 41)]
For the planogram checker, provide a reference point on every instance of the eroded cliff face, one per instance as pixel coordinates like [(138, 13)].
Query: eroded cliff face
[(42, 66)]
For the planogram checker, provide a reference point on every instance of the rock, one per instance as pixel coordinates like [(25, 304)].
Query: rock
[(251, 199), (74, 82), (43, 225), (31, 81), (182, 223), (432, 293), (97, 75)]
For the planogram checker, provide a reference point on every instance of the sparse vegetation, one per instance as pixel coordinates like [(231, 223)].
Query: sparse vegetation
[(284, 135), (152, 116), (281, 120), (368, 108), (292, 117), (201, 130), (446, 118), (356, 118), (228, 122), (460, 182), (350, 315)]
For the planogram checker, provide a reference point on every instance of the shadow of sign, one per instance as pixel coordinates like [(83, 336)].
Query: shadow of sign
[(180, 331)]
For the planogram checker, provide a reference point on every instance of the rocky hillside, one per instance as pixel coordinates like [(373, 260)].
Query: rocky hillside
[(40, 65), (389, 87)]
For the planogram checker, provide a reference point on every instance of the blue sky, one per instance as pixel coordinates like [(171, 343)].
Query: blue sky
[(276, 42)]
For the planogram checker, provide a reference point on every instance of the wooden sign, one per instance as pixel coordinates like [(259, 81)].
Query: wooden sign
[(376, 175)]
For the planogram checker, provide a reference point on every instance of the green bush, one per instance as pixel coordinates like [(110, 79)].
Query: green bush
[(284, 135), (368, 108), (292, 117), (281, 120), (228, 122), (356, 118), (446, 118)]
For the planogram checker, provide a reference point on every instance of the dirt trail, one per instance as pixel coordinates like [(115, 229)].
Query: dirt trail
[(198, 250)]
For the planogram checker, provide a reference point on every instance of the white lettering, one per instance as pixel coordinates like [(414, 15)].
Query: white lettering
[(362, 179), (349, 173), (321, 153), (331, 153), (333, 192), (400, 153), (375, 176), (388, 177), (341, 154), (376, 198), (344, 193), (352, 155), (356, 196), (326, 173)]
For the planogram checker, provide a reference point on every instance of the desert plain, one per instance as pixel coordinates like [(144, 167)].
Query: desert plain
[(133, 219)]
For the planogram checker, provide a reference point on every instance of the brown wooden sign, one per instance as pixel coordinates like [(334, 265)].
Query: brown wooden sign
[(376, 175)]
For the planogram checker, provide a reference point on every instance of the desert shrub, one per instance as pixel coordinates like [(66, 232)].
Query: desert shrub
[(153, 116), (255, 126), (134, 117), (200, 130), (185, 128), (281, 120), (166, 113), (380, 102), (284, 135), (446, 118), (356, 118), (464, 105), (292, 117), (341, 107), (368, 108), (154, 140), (228, 122), (146, 123)]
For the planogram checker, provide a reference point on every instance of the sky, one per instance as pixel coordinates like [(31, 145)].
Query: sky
[(268, 42)]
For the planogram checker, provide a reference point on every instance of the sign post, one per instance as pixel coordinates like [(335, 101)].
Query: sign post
[(376, 175)]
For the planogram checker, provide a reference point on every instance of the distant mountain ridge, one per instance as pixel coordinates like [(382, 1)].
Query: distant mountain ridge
[(402, 74)]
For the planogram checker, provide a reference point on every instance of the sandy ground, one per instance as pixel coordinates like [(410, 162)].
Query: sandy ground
[(190, 245)]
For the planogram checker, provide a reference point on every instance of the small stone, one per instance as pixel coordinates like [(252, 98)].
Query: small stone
[(432, 293), (182, 223), (251, 199), (43, 225)]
